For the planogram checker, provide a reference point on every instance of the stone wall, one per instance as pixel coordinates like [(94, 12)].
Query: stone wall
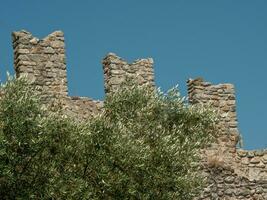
[(117, 70), (81, 107), (43, 61), (224, 182), (222, 98), (231, 173)]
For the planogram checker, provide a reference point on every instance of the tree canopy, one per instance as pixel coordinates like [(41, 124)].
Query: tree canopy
[(144, 145)]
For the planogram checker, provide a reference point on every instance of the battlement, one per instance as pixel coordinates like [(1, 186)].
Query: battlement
[(43, 61), (116, 70), (222, 98), (232, 173)]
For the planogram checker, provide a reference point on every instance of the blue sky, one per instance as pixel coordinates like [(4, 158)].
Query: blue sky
[(222, 41)]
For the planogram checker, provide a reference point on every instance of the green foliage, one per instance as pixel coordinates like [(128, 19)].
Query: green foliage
[(145, 145), (37, 150), (152, 142)]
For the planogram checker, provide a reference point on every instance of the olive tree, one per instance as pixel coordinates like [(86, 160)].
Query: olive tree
[(144, 145)]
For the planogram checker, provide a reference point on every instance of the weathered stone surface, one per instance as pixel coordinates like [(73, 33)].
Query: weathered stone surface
[(231, 173), (57, 44), (116, 70), (255, 160), (246, 169), (34, 59), (34, 41)]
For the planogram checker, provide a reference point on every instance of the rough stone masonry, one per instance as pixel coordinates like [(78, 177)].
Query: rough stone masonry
[(232, 173)]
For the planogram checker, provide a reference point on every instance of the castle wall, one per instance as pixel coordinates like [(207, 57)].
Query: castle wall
[(82, 107), (222, 98), (117, 70), (43, 61), (226, 184), (231, 173)]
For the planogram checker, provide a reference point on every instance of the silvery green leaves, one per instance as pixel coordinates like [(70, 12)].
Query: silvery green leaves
[(157, 137), (144, 145)]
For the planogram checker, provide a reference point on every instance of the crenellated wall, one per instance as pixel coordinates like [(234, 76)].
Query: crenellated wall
[(117, 70), (231, 173), (222, 98), (43, 61)]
